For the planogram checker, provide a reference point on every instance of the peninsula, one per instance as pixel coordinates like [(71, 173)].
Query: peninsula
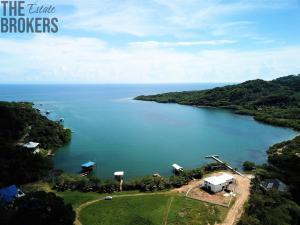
[(276, 102)]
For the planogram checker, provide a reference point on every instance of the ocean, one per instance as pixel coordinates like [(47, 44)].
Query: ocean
[(142, 138)]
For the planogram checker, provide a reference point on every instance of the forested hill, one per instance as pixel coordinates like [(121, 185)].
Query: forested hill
[(21, 123), (276, 102), (19, 120)]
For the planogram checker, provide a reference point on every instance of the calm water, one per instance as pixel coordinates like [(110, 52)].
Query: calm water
[(144, 137)]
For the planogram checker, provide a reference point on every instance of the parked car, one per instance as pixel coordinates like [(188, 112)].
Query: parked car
[(108, 198)]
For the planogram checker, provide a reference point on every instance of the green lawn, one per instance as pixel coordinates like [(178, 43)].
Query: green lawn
[(76, 198), (151, 210), (188, 211)]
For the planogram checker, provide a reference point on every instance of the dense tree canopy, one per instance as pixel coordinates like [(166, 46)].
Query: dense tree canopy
[(276, 102), (20, 122), (21, 119), (19, 166), (38, 208)]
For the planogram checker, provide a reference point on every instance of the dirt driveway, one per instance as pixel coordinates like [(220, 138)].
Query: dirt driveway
[(242, 191)]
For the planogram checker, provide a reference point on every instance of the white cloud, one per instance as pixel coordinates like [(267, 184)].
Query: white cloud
[(161, 17), (48, 59), (157, 44)]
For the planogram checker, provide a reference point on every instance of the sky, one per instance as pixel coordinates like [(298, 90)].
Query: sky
[(157, 41)]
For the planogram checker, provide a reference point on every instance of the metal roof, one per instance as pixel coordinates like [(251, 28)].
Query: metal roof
[(88, 164), (177, 167), (274, 184), (31, 144), (8, 194), (216, 180), (119, 173)]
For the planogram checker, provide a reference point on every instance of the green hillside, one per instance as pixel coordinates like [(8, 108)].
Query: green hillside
[(276, 102), (20, 123)]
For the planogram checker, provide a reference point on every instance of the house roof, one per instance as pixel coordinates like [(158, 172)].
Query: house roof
[(31, 144), (9, 193), (216, 180), (273, 184), (119, 173), (88, 164)]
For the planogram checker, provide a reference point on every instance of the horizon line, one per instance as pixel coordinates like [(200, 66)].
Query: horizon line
[(159, 83)]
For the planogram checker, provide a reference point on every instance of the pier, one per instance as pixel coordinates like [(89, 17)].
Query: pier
[(216, 158)]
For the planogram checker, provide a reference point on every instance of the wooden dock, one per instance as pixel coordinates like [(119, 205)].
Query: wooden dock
[(216, 158)]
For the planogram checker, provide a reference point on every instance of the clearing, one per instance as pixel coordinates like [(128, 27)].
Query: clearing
[(151, 209), (158, 208), (241, 190)]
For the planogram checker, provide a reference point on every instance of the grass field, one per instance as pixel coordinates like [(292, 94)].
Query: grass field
[(160, 208), (151, 210), (76, 198)]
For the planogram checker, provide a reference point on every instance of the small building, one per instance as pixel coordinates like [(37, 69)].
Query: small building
[(177, 168), (88, 167), (33, 146), (218, 183), (10, 193), (269, 184), (119, 175)]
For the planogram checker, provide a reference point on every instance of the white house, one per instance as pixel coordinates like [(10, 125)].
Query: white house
[(218, 183), (33, 146)]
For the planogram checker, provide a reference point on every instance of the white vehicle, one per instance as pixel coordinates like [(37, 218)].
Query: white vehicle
[(108, 198)]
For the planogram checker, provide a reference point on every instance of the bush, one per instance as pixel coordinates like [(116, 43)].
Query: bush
[(76, 182), (178, 181), (148, 183), (248, 166), (109, 186)]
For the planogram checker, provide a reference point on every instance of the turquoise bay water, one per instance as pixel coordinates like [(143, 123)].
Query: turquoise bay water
[(145, 137)]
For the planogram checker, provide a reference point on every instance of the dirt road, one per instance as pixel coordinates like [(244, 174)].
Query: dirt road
[(243, 192)]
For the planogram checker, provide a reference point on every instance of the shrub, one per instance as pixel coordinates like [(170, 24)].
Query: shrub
[(248, 166)]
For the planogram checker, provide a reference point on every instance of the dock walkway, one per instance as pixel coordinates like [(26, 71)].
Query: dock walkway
[(216, 157)]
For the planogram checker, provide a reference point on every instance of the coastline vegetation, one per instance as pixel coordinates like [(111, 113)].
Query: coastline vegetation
[(275, 102), (21, 123), (89, 183)]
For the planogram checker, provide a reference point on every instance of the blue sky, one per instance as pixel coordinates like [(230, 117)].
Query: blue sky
[(158, 41)]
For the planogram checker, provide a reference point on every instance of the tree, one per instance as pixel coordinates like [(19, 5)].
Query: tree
[(19, 166), (40, 208), (249, 220), (248, 166)]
